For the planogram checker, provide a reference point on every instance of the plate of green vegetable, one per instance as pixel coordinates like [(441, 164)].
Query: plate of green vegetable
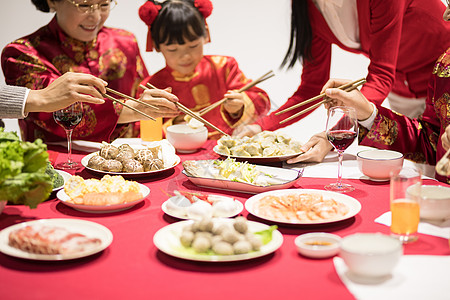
[(58, 177)]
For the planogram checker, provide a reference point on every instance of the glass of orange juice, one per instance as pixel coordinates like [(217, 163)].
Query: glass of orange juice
[(405, 193), (151, 130)]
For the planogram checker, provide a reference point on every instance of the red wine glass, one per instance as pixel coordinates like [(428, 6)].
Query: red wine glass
[(69, 118), (342, 129)]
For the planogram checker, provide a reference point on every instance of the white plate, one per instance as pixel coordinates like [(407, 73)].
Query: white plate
[(87, 228), (258, 160), (167, 239), (291, 175), (353, 205), (63, 198), (66, 176), (173, 159), (238, 210)]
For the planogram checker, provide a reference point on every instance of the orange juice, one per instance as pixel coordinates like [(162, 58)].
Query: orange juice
[(151, 130), (405, 216)]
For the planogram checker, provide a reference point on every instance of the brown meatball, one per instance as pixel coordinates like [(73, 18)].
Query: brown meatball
[(153, 165), (124, 155), (132, 166), (109, 151), (96, 162), (112, 165)]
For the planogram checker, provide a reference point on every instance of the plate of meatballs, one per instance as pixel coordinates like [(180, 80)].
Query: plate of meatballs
[(128, 161)]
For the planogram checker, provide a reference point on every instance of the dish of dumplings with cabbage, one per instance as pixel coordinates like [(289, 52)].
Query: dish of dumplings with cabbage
[(264, 146)]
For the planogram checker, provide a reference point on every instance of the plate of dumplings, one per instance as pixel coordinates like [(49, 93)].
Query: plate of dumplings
[(266, 146), (132, 161)]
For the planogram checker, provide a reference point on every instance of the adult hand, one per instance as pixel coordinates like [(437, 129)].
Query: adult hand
[(234, 104), (66, 90), (247, 130), (446, 138), (353, 98), (314, 150), (162, 99)]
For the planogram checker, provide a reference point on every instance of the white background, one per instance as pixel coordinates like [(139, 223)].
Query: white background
[(255, 32)]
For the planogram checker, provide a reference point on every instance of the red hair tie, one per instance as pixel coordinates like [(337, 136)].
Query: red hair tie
[(148, 13), (205, 7)]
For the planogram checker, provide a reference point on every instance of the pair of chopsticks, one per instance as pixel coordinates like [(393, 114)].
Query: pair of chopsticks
[(346, 87), (249, 85), (187, 111), (129, 98)]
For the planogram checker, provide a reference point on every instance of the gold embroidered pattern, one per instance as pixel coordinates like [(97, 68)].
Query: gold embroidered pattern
[(385, 132), (112, 64), (441, 68)]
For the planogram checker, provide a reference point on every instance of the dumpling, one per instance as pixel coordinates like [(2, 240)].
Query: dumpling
[(283, 138), (295, 146), (267, 143), (223, 150), (270, 151), (227, 141), (240, 151), (253, 149)]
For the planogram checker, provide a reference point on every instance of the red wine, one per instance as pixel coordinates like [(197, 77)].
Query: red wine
[(341, 139), (68, 121)]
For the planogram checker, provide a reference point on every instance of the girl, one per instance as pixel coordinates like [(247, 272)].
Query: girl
[(177, 29)]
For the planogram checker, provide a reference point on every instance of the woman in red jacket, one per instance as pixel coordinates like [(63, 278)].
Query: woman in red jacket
[(402, 39)]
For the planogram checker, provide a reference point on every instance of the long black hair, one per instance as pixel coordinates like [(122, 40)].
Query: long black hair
[(177, 21), (42, 5), (301, 35)]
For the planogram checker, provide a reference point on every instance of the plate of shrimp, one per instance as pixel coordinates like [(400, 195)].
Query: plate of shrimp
[(302, 206)]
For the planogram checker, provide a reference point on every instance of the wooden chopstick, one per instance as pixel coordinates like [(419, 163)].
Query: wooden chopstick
[(347, 89), (126, 105), (243, 89), (130, 98), (187, 111), (342, 87)]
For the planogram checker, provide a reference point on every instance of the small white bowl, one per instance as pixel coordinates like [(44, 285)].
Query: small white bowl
[(377, 164), (317, 244), (434, 202), (186, 139), (371, 254)]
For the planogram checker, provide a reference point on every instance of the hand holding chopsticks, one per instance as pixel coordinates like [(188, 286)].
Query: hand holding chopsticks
[(346, 87), (128, 106), (187, 111)]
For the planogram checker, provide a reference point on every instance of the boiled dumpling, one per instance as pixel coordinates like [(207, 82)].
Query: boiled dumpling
[(283, 138), (295, 146), (270, 151), (240, 151), (227, 141), (223, 150), (253, 149)]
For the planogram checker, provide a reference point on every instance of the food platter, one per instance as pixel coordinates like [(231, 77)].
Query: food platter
[(289, 175), (63, 197), (352, 204), (173, 163), (87, 228), (66, 176), (167, 239), (258, 160), (178, 215)]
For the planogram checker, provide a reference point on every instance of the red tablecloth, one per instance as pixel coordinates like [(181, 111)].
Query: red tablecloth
[(132, 267)]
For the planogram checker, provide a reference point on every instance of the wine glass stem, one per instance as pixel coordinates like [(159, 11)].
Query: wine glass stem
[(339, 178), (69, 146)]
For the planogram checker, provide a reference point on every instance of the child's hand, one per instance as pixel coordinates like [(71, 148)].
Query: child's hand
[(234, 103)]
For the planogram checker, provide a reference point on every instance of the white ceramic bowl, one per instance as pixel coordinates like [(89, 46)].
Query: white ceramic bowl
[(186, 139), (435, 202), (318, 244), (371, 254), (377, 164)]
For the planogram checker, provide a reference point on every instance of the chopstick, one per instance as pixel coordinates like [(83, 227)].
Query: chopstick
[(346, 87), (130, 98), (442, 167), (342, 87), (187, 111), (126, 105), (243, 89)]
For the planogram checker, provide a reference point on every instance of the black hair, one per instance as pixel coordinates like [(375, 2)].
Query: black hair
[(177, 21), (301, 35), (42, 5)]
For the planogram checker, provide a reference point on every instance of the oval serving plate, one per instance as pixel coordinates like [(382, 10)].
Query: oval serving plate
[(352, 204), (87, 228), (290, 176), (238, 210), (167, 239), (175, 160), (258, 160), (63, 197)]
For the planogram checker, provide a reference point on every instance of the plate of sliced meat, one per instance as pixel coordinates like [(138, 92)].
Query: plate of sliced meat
[(54, 239)]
